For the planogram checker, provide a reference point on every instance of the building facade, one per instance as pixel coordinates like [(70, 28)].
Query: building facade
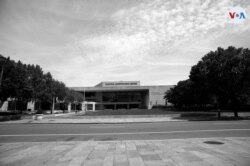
[(124, 95)]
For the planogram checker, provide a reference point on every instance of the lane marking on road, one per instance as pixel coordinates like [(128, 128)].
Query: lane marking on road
[(97, 127), (219, 138), (128, 133), (237, 123)]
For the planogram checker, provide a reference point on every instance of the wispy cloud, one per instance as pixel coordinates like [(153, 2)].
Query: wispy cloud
[(152, 26)]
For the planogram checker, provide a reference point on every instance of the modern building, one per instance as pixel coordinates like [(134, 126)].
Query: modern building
[(123, 95)]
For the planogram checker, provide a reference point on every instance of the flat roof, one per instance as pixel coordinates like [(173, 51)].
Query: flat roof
[(119, 88)]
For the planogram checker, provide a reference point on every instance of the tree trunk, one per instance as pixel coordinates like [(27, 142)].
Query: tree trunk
[(219, 115), (40, 105), (236, 113), (218, 111), (235, 110)]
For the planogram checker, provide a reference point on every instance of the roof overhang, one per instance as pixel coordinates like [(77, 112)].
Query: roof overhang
[(106, 89)]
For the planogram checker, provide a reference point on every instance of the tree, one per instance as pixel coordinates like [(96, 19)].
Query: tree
[(223, 75), (179, 95), (3, 62), (8, 88), (73, 96), (36, 81), (226, 73), (28, 82), (60, 90), (187, 94)]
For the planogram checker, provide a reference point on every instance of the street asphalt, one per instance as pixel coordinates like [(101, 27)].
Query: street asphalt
[(10, 133)]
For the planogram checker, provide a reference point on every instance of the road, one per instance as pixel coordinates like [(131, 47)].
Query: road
[(132, 131)]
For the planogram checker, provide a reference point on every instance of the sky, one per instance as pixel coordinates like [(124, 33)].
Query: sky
[(82, 43)]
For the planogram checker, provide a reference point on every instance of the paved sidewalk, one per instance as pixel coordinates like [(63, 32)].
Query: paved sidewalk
[(178, 152), (100, 119)]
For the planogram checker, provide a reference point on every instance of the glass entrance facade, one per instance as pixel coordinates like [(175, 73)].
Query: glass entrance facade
[(117, 100), (121, 97)]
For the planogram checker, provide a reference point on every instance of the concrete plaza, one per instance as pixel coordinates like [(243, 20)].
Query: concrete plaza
[(175, 152)]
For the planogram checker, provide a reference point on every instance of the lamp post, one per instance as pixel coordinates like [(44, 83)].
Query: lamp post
[(84, 103), (53, 105), (83, 93)]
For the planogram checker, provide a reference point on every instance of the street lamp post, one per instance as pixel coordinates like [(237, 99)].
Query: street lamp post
[(83, 94), (53, 105)]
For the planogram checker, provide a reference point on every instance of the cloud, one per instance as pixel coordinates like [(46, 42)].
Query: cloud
[(85, 42), (152, 26)]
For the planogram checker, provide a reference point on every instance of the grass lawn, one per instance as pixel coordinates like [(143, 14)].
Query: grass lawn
[(186, 115), (129, 112)]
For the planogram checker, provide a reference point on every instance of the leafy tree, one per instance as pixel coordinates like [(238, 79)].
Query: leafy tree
[(179, 95), (60, 90), (28, 82), (36, 81), (187, 94), (223, 75), (8, 86), (73, 96), (3, 62)]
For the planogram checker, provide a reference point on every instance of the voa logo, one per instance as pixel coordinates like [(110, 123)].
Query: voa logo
[(236, 15)]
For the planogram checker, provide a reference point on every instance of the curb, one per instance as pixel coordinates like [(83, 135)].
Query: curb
[(30, 121)]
